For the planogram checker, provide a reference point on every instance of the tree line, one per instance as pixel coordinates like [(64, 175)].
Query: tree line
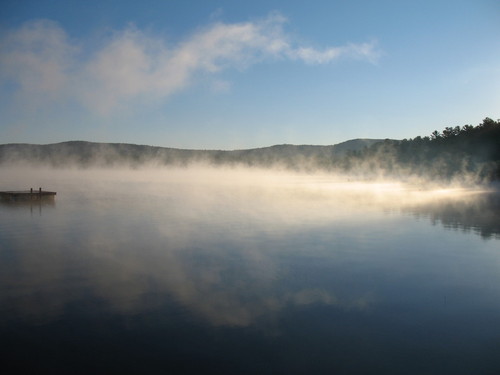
[(471, 152), (467, 152)]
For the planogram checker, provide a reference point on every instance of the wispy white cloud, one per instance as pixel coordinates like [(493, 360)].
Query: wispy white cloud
[(38, 60), (363, 51)]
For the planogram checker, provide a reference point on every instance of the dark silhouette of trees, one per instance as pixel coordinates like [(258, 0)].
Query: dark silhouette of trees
[(467, 151)]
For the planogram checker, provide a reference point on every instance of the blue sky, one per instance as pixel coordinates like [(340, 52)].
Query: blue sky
[(240, 74)]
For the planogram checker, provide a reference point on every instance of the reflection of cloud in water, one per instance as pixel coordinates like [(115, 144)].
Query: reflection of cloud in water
[(211, 240), (129, 277)]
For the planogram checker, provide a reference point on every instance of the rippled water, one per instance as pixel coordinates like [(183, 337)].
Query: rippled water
[(234, 271)]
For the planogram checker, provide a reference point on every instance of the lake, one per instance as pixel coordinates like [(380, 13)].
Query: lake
[(239, 271)]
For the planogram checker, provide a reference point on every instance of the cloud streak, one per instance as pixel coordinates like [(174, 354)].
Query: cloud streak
[(36, 58), (38, 61)]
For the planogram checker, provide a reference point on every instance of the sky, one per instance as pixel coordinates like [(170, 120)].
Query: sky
[(230, 74)]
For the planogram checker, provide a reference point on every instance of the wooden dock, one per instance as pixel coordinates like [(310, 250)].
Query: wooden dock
[(27, 195)]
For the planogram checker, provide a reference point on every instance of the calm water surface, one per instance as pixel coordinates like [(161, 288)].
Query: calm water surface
[(190, 271)]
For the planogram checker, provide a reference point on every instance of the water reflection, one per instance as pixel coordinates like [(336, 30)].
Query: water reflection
[(223, 268), (34, 206), (292, 270), (479, 213)]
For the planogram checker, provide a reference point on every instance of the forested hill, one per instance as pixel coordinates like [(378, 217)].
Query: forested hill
[(469, 151), (89, 154)]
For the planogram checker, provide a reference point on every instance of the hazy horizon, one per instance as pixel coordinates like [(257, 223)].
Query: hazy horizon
[(199, 149)]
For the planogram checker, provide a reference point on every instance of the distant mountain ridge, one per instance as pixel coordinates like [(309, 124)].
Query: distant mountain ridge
[(87, 154), (469, 154)]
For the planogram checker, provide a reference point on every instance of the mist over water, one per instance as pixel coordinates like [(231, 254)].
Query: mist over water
[(247, 271)]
